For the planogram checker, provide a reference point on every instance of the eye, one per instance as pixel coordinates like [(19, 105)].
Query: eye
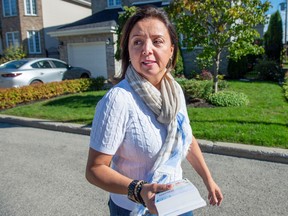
[(158, 41), (137, 42)]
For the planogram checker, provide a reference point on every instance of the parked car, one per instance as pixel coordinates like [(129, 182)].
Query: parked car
[(24, 72)]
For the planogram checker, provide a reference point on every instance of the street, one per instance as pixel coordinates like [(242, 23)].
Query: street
[(42, 172)]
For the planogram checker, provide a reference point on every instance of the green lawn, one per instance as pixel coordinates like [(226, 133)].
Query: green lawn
[(263, 122)]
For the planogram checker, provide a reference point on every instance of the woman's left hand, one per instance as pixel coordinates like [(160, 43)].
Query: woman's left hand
[(215, 196)]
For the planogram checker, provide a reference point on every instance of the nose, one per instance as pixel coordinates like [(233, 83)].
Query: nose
[(147, 48)]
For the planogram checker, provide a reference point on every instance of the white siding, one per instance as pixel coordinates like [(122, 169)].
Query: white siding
[(57, 13)]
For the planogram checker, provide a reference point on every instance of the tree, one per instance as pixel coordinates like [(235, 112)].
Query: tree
[(273, 37), (217, 25)]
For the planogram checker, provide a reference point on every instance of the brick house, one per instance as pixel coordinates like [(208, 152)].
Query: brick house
[(27, 23)]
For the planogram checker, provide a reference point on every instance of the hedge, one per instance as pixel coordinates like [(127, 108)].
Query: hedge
[(11, 97)]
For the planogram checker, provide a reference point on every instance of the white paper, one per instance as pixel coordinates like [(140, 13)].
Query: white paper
[(182, 198)]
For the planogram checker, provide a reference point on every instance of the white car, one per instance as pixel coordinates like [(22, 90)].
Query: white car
[(24, 72)]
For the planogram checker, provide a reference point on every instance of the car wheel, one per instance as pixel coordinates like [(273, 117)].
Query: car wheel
[(85, 75), (36, 82)]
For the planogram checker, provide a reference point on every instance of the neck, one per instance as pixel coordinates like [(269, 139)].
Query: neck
[(158, 86)]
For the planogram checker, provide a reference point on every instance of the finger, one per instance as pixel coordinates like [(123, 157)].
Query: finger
[(210, 198), (212, 202), (163, 187), (220, 198), (213, 199), (152, 208)]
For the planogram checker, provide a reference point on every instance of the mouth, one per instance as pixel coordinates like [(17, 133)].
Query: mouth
[(148, 62)]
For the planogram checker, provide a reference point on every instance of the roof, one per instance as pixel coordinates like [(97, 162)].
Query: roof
[(106, 16), (142, 4), (86, 3)]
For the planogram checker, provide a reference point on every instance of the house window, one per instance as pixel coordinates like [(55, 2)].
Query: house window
[(12, 39), (113, 3), (30, 7), (9, 8), (34, 42)]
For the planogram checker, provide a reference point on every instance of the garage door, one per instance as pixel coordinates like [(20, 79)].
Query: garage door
[(91, 56)]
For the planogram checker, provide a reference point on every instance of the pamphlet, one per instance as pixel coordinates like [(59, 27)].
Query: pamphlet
[(182, 198)]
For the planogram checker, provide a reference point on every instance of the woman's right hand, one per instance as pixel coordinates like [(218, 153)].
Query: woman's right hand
[(148, 194)]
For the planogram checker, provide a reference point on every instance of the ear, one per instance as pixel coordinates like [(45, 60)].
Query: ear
[(172, 50)]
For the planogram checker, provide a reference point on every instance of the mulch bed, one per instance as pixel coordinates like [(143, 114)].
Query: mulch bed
[(199, 103)]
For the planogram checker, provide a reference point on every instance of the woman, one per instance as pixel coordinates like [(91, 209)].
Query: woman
[(141, 130)]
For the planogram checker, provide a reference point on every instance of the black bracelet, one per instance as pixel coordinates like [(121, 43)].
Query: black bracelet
[(131, 188), (134, 190), (137, 193)]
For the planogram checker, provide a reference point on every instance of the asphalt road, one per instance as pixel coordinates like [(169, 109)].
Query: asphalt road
[(42, 173)]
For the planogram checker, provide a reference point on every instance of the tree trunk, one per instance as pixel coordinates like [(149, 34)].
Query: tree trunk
[(216, 70)]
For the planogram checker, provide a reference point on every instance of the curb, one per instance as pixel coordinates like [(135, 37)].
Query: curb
[(245, 151), (46, 124), (230, 149)]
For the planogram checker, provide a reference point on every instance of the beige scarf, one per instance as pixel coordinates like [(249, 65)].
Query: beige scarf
[(165, 104)]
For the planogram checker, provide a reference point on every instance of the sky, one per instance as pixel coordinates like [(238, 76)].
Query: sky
[(275, 4)]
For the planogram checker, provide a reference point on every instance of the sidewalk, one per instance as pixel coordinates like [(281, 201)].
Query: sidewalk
[(223, 148)]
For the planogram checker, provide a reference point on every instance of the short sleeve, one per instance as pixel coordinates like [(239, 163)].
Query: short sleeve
[(186, 126), (183, 107), (109, 123)]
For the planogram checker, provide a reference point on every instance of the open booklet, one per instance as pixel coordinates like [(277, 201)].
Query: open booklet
[(182, 198)]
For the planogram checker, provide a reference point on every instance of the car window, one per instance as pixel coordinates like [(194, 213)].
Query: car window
[(14, 64), (60, 64), (41, 64), (36, 65)]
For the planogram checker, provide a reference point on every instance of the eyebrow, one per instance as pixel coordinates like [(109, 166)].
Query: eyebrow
[(141, 35)]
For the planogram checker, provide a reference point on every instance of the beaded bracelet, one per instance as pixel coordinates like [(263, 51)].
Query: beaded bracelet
[(131, 188), (137, 192), (134, 190)]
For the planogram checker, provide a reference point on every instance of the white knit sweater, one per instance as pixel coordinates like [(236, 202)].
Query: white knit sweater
[(125, 127)]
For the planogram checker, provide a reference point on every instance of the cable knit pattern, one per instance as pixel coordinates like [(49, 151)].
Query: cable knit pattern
[(123, 123)]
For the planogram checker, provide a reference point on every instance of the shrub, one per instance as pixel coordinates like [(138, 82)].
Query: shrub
[(12, 53), (205, 75), (228, 99), (237, 69), (198, 88), (268, 70), (252, 75), (97, 83), (10, 97), (285, 87)]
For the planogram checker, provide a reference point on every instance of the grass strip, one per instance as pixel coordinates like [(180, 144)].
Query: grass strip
[(263, 122)]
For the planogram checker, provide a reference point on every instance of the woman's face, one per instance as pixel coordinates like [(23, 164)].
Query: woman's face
[(150, 49)]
